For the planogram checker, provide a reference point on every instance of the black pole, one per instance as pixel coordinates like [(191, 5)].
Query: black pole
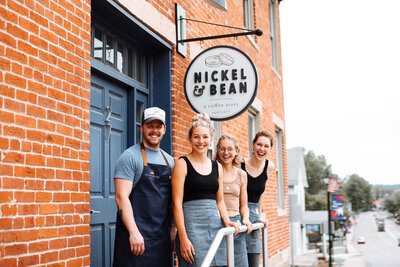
[(329, 229)]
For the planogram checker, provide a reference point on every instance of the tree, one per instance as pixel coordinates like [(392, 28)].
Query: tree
[(358, 192), (317, 169), (391, 202), (381, 192)]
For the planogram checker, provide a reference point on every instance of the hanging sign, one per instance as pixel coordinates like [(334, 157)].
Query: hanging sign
[(222, 82), (337, 211)]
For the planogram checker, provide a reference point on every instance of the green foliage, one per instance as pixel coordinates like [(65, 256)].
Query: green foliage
[(316, 202), (317, 169), (381, 191), (358, 192), (391, 202)]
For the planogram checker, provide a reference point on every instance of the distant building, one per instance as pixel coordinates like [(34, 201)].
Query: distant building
[(297, 180)]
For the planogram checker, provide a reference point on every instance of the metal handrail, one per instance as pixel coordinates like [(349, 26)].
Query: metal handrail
[(228, 231)]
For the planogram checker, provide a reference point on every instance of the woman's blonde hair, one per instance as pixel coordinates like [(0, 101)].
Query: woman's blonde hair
[(201, 120), (237, 159)]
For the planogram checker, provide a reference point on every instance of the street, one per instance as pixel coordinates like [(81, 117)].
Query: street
[(381, 247)]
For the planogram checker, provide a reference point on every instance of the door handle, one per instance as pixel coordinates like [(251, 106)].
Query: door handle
[(107, 122), (94, 211)]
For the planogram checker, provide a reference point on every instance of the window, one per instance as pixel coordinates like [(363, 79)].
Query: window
[(220, 2), (116, 54), (253, 126), (248, 13), (279, 169), (273, 22)]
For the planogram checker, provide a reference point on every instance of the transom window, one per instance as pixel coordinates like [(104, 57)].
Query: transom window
[(118, 54)]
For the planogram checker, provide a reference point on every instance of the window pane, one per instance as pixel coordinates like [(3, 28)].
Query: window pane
[(139, 112), (98, 44), (110, 52), (131, 63), (120, 59), (139, 68)]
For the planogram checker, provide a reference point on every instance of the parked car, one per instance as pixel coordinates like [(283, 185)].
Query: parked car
[(381, 225), (361, 240)]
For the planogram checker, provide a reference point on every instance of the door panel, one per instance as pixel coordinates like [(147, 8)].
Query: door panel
[(108, 139)]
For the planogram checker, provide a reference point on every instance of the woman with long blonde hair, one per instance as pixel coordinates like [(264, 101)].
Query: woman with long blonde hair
[(197, 199)]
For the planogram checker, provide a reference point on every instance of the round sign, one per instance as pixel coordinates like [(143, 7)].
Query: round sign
[(222, 82)]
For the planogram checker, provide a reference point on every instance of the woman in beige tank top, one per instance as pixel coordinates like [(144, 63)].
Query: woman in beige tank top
[(235, 192)]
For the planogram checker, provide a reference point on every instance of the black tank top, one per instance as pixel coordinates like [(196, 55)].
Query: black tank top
[(198, 186), (255, 185)]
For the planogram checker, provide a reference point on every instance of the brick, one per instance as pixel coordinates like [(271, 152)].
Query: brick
[(48, 257), (34, 185), (24, 196), (13, 131), (58, 243), (13, 157), (15, 144), (11, 183), (6, 223), (25, 121), (14, 105), (38, 246), (27, 235), (48, 209), (7, 117), (43, 196), (27, 209), (6, 196), (35, 160), (28, 260), (26, 96), (48, 232), (24, 171), (15, 249)]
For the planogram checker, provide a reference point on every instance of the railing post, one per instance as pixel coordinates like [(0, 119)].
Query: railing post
[(231, 250), (265, 247)]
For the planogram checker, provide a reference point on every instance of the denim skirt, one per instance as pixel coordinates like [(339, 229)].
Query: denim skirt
[(202, 222), (253, 240), (239, 243)]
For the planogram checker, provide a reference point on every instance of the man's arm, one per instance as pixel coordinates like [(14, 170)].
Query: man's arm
[(123, 189)]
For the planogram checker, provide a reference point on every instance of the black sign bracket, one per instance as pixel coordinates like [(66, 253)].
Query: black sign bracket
[(181, 40)]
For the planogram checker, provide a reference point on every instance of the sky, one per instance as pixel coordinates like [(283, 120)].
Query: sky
[(341, 80)]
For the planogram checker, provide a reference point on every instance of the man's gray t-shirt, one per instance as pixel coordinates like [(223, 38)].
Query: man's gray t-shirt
[(130, 164)]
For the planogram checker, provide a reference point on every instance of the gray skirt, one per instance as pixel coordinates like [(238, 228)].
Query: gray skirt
[(253, 240), (239, 243), (202, 222)]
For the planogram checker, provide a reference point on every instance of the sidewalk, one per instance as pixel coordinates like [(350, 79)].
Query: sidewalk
[(354, 260), (314, 259)]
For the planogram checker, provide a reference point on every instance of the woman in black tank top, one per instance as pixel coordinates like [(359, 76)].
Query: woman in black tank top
[(197, 199), (257, 168)]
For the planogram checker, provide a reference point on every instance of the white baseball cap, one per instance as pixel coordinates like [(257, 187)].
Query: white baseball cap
[(153, 113)]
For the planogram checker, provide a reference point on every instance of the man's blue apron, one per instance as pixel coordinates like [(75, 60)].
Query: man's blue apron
[(150, 200)]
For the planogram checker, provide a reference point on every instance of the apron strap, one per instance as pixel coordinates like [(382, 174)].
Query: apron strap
[(144, 156)]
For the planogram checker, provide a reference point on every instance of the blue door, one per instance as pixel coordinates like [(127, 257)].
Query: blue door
[(108, 139)]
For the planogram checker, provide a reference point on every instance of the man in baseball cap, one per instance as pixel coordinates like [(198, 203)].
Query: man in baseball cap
[(153, 113), (142, 181)]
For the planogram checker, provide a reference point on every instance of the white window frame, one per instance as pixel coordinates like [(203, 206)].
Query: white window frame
[(221, 3), (280, 182), (253, 122), (248, 14), (273, 22)]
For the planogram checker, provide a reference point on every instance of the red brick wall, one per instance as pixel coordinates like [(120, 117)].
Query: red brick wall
[(44, 122), (270, 94), (44, 132)]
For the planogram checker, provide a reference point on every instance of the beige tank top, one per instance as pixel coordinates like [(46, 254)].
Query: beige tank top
[(232, 196)]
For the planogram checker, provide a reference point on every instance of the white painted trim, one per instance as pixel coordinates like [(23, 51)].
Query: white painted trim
[(147, 13), (278, 121)]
